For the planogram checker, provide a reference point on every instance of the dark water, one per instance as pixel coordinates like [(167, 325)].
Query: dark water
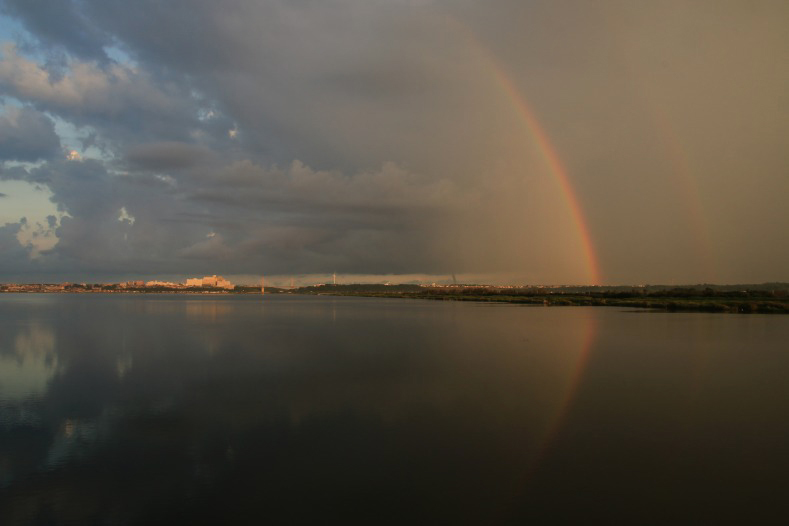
[(283, 409)]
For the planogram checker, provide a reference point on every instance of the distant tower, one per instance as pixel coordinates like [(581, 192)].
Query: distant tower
[(291, 283), (262, 285), (334, 278)]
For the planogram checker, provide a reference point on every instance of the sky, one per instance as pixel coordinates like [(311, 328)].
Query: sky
[(521, 142)]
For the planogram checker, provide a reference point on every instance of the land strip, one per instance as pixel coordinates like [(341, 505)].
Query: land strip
[(754, 300), (772, 298)]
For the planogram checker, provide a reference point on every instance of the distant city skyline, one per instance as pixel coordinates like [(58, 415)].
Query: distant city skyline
[(406, 141)]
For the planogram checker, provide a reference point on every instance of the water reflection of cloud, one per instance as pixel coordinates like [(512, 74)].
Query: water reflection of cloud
[(124, 364), (308, 360), (31, 362), (304, 399), (74, 439)]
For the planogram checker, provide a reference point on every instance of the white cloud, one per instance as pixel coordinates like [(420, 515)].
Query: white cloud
[(38, 237), (125, 217)]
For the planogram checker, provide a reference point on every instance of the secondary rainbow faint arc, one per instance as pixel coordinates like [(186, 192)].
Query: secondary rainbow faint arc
[(546, 148), (687, 190)]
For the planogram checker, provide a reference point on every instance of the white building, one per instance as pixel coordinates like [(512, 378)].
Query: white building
[(210, 281)]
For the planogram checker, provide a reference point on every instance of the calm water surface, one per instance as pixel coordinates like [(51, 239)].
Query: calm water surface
[(124, 409)]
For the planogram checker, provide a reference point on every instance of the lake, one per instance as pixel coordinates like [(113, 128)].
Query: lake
[(141, 409)]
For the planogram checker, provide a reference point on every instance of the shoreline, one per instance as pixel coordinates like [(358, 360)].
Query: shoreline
[(661, 304), (745, 302)]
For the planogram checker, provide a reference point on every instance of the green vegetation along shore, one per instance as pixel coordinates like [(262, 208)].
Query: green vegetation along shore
[(770, 298)]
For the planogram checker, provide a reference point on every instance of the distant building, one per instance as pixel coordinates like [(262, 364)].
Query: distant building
[(217, 282), (156, 283)]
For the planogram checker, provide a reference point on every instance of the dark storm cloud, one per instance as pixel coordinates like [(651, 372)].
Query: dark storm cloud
[(59, 22), (18, 173), (241, 216), (283, 70), (125, 104), (166, 156), (390, 136), (14, 255), (27, 135)]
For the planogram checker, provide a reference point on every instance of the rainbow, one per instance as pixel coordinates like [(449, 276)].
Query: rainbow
[(547, 150), (575, 348), (558, 172), (589, 332), (556, 169)]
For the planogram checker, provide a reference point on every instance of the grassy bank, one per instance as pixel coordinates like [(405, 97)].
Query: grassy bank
[(773, 301)]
